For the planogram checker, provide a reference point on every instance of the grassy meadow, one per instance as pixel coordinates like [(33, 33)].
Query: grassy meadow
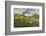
[(26, 21)]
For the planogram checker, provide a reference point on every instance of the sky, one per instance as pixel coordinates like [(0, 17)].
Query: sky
[(21, 10)]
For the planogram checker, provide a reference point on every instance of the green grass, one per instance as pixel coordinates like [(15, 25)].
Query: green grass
[(25, 21)]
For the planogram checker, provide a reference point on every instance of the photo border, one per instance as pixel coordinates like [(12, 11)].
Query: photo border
[(8, 17), (26, 28)]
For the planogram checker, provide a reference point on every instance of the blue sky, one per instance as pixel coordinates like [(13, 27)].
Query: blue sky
[(21, 10)]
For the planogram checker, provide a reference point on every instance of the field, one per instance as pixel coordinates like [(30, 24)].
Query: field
[(26, 21)]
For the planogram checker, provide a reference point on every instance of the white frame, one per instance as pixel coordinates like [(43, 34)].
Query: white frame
[(25, 28)]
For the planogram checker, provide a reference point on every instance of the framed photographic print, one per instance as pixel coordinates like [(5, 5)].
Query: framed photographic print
[(24, 17)]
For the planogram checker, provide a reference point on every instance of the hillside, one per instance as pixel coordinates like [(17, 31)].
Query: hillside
[(26, 21)]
